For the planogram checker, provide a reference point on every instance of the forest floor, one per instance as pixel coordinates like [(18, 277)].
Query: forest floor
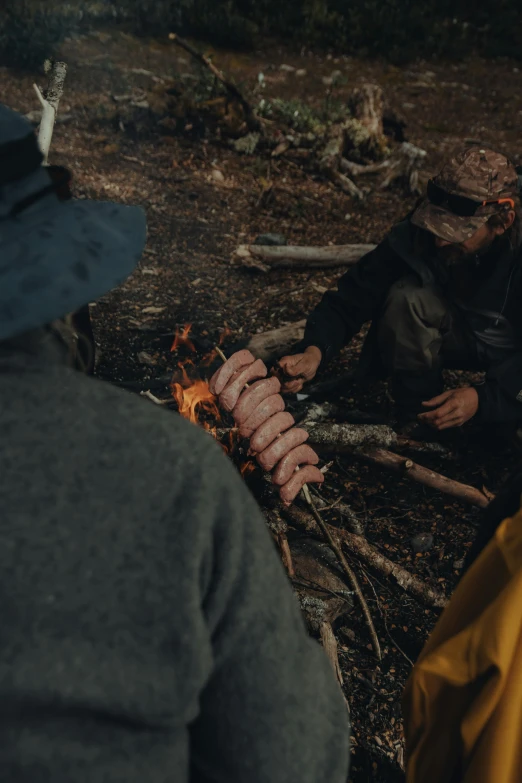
[(197, 218)]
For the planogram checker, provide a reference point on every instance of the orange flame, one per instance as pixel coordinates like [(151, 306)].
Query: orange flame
[(183, 339), (247, 467), (194, 396)]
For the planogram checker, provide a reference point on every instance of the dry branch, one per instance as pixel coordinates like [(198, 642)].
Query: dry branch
[(286, 554), (357, 169), (329, 643), (360, 547), (251, 119), (341, 438), (266, 257), (327, 532), (406, 166), (429, 478), (50, 100), (277, 342)]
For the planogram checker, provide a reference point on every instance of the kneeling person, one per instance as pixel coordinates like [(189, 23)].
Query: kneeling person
[(443, 290)]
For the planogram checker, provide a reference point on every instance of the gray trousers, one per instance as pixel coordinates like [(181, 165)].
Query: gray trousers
[(418, 334)]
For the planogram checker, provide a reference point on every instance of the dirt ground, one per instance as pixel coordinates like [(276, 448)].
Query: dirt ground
[(196, 220)]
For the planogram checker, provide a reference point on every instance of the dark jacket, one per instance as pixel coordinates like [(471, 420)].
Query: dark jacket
[(492, 308), (148, 632)]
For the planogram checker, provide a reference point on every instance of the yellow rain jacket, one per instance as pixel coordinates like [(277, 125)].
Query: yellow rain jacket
[(463, 701)]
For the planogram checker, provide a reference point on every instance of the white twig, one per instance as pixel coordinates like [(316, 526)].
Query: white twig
[(155, 400), (49, 102)]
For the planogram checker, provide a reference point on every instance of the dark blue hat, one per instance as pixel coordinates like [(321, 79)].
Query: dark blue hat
[(55, 256)]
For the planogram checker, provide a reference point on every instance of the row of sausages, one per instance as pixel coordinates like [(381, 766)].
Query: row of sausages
[(259, 413)]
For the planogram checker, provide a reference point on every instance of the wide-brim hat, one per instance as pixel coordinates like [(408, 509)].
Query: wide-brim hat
[(479, 174), (55, 256)]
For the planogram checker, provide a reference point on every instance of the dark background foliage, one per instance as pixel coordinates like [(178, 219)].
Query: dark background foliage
[(398, 30)]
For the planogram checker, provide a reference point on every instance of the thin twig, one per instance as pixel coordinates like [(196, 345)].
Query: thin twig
[(251, 119), (383, 615), (340, 556), (156, 400), (348, 571)]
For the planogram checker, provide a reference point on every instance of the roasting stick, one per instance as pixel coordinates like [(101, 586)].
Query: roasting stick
[(338, 552)]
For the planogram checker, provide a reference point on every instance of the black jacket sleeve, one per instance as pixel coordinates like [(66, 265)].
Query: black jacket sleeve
[(500, 397), (359, 295)]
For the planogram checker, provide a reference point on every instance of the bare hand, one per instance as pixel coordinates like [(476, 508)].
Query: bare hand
[(452, 409), (302, 366)]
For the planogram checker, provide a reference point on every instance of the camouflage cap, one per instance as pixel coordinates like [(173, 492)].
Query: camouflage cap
[(477, 173)]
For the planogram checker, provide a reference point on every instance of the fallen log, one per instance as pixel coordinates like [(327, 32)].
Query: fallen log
[(342, 438), (266, 257), (409, 469), (277, 342), (360, 547)]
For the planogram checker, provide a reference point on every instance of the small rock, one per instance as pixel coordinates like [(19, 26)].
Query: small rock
[(154, 272), (327, 81), (422, 542), (458, 564), (271, 239), (301, 72), (287, 68), (153, 310), (196, 282), (146, 358), (347, 216), (218, 175)]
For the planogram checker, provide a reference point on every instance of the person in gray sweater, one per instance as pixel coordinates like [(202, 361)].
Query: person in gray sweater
[(148, 632)]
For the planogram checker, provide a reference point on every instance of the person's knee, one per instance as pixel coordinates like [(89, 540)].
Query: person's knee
[(409, 301)]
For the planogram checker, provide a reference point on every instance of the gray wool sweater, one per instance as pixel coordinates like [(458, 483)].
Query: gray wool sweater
[(147, 631)]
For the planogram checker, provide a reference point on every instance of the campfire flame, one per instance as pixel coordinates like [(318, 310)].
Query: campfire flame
[(194, 398), (182, 338)]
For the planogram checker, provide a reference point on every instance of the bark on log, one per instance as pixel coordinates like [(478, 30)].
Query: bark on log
[(266, 257), (360, 547), (422, 475), (342, 438), (364, 134), (276, 343), (367, 105), (330, 162)]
